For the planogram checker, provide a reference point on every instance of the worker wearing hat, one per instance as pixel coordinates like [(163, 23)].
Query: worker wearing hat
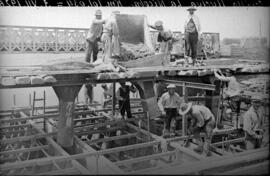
[(192, 30), (110, 38), (165, 37), (232, 91), (169, 104), (200, 119), (253, 123), (122, 95), (93, 36)]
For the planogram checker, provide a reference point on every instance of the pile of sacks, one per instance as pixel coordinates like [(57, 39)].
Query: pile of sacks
[(129, 51)]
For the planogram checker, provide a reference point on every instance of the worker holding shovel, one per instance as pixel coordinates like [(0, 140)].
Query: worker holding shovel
[(202, 120)]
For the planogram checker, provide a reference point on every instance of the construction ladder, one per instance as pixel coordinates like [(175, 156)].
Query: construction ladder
[(34, 108)]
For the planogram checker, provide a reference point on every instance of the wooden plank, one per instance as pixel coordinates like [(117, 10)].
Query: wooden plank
[(112, 138), (26, 138), (30, 118), (61, 151), (229, 141), (144, 158), (97, 125), (242, 157), (89, 132), (255, 169), (24, 150), (42, 161), (104, 161), (13, 126), (187, 151)]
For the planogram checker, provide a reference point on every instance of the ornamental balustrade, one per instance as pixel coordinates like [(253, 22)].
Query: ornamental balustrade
[(32, 39)]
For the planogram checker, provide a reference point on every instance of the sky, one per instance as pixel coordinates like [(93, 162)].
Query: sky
[(230, 22)]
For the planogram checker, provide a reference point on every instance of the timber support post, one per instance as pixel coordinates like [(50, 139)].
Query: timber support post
[(66, 96)]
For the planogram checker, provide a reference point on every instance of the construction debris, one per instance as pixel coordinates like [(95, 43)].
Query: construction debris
[(129, 51)]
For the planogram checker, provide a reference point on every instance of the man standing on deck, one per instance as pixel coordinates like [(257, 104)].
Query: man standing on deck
[(201, 120), (110, 38), (253, 124), (165, 37), (169, 104), (122, 95), (93, 36), (192, 33)]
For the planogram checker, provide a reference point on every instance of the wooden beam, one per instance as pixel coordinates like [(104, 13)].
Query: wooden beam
[(42, 161), (187, 151), (144, 158), (30, 118), (243, 157), (229, 141), (112, 138), (61, 151), (24, 150), (26, 138), (13, 126), (89, 132), (254, 169), (104, 161), (97, 125)]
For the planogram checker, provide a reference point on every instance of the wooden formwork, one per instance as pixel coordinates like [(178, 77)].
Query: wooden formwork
[(23, 142)]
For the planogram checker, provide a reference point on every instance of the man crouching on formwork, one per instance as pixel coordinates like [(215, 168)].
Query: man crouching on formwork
[(253, 124), (169, 104), (200, 120)]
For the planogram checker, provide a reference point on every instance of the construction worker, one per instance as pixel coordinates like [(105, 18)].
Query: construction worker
[(165, 37), (232, 91), (201, 120), (110, 38), (107, 94), (93, 36), (192, 33), (169, 104), (88, 93), (122, 95), (253, 123)]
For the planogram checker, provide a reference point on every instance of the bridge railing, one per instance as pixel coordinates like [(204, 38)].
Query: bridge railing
[(32, 39)]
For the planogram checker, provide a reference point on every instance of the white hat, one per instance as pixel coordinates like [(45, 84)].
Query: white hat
[(158, 23), (185, 108), (171, 86), (98, 12)]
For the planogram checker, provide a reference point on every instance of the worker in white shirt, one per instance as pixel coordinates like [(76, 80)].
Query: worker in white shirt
[(192, 33), (253, 123), (169, 104), (165, 37), (232, 91), (200, 119), (110, 38)]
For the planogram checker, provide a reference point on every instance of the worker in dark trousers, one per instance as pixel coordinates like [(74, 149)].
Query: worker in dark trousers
[(93, 36), (192, 31), (122, 95), (169, 104)]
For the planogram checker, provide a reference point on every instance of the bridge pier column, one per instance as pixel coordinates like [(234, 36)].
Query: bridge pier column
[(66, 96)]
